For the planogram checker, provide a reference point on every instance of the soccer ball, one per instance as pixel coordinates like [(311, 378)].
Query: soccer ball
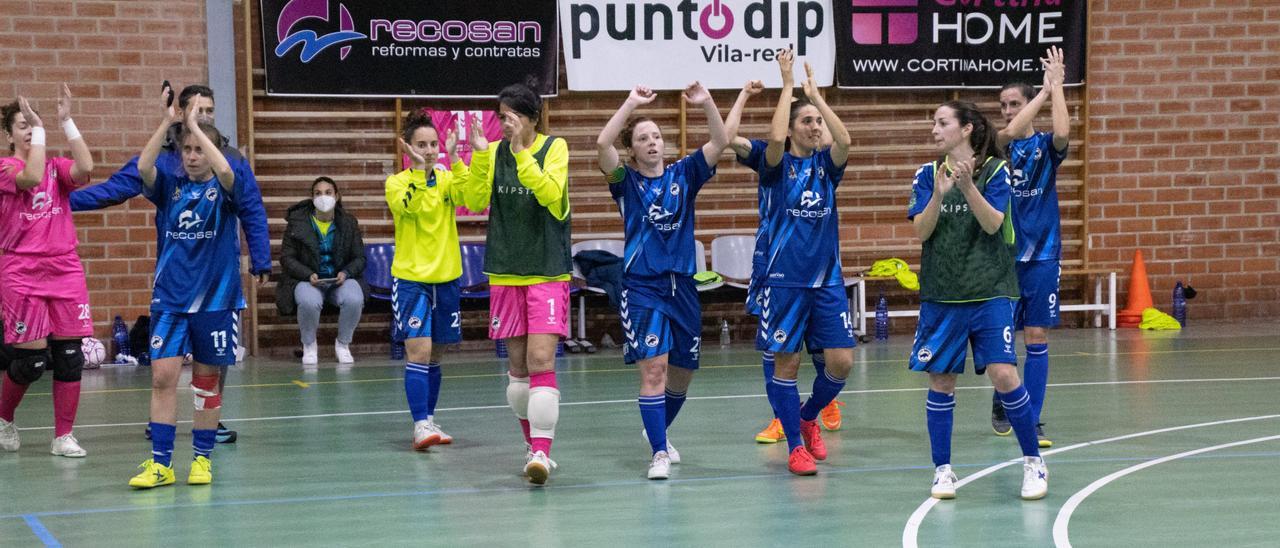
[(94, 352)]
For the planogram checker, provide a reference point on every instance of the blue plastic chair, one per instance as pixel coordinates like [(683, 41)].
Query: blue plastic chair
[(474, 282), (377, 273), (377, 269)]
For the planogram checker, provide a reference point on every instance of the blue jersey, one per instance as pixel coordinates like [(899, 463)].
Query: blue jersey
[(798, 203), (1033, 165), (657, 216), (198, 251), (754, 160)]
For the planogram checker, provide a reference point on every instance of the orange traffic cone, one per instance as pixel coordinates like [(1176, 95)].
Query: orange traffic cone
[(1139, 294)]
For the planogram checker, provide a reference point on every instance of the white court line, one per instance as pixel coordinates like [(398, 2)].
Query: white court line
[(1063, 521), (632, 401), (911, 532)]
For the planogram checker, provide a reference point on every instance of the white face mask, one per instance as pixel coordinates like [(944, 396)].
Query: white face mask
[(324, 204)]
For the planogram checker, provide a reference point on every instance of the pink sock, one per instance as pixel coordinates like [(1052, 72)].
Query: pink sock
[(541, 444), (10, 396), (524, 426), (66, 400), (545, 378)]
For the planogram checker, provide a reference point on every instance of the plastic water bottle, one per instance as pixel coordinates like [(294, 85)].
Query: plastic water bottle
[(1179, 304), (120, 335), (724, 332), (882, 319)]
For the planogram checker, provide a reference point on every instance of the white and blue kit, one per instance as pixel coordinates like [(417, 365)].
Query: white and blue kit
[(802, 291), (197, 296), (1033, 164), (660, 310)]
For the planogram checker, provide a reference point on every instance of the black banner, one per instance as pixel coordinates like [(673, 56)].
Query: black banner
[(392, 48), (955, 43)]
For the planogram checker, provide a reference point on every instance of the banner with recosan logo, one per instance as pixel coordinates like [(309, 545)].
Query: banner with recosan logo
[(667, 44), (955, 43), (393, 48)]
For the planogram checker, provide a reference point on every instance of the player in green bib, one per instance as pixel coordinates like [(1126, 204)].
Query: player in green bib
[(960, 209)]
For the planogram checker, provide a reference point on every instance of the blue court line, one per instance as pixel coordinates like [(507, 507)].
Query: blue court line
[(39, 529), (32, 517)]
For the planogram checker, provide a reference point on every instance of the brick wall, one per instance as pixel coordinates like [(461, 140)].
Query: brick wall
[(114, 56), (1182, 156), (1184, 148)]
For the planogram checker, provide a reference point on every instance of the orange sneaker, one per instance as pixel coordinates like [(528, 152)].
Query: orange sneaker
[(812, 435), (830, 415), (801, 462), (772, 433)]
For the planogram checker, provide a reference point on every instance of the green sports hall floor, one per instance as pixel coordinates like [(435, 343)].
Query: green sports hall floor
[(1161, 439)]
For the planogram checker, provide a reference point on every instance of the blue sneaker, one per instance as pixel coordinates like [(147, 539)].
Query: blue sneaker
[(225, 435)]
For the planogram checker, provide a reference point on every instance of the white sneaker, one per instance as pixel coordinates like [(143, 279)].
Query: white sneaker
[(1035, 478), (343, 353), (66, 446), (671, 449), (660, 468), (944, 483), (425, 435), (445, 439), (309, 354), (539, 468), (9, 440)]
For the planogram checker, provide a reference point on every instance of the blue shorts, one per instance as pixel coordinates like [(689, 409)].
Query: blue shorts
[(1038, 306), (946, 330), (818, 317), (431, 311), (212, 337), (661, 315)]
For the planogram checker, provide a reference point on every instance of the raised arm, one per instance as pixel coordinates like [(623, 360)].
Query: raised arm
[(1018, 125), (606, 154), (781, 114), (840, 139), (480, 182), (925, 221), (698, 96), (221, 167), (79, 150), (1056, 72), (147, 158), (33, 172), (988, 217), (741, 145)]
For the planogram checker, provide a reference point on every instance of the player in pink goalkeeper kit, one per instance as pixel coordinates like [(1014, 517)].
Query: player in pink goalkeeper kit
[(45, 300)]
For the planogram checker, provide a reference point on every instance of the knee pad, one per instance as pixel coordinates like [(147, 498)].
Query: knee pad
[(67, 361), (518, 395), (28, 365), (544, 411), (205, 389)]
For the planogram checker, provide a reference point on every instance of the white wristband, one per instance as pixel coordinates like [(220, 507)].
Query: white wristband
[(70, 129), (37, 136)]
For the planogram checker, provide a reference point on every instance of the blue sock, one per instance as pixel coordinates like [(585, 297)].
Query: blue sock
[(1035, 376), (819, 362), (939, 413), (202, 441), (417, 386), (674, 401), (825, 389), (1017, 406), (653, 410), (433, 392), (766, 363), (786, 399), (162, 442)]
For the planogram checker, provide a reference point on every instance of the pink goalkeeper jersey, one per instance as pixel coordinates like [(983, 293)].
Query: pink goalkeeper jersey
[(37, 221)]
